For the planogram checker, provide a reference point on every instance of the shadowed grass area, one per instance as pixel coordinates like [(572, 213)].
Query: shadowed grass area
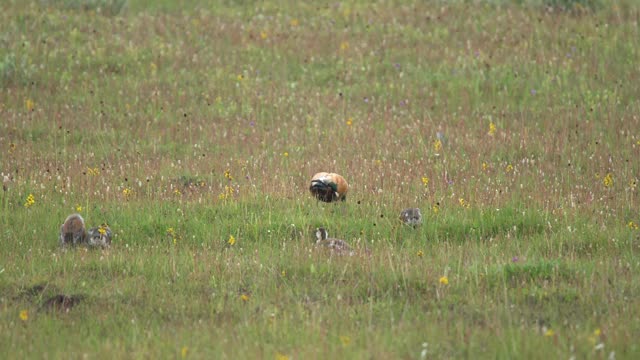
[(193, 130)]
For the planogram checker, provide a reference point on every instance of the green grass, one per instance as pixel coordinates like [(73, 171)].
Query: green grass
[(513, 125)]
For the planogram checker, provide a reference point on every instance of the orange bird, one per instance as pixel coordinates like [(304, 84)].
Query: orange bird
[(329, 187)]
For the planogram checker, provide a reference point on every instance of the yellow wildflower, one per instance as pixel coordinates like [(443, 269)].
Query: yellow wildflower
[(170, 231), (24, 315), (463, 203), (437, 145), (444, 280), (608, 180), (280, 356), (78, 208), (30, 201), (127, 192), (177, 192), (420, 253), (93, 171), (484, 166), (549, 333), (285, 154), (184, 351), (492, 128), (29, 104), (425, 181), (244, 297), (346, 340), (263, 35), (632, 225), (344, 45), (102, 229), (232, 240), (294, 22), (227, 174), (509, 168), (349, 121), (435, 208)]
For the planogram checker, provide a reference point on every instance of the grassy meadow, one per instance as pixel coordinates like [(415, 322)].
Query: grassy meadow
[(193, 131)]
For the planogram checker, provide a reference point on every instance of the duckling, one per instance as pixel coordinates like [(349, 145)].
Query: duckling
[(99, 236), (411, 216), (329, 187), (336, 246), (73, 231)]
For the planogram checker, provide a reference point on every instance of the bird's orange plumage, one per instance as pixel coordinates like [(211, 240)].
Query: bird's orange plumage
[(329, 187)]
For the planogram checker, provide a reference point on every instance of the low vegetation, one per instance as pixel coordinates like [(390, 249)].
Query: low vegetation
[(193, 131)]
